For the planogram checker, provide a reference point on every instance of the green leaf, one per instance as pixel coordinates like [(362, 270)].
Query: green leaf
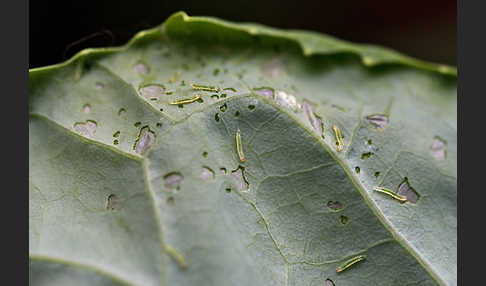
[(129, 185)]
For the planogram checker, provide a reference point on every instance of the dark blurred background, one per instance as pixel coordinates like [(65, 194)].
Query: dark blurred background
[(423, 29)]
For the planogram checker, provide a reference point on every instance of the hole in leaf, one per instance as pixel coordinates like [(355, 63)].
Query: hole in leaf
[(329, 282), (173, 180), (251, 107), (146, 138), (111, 202), (239, 175), (86, 108), (335, 206), (87, 129), (223, 107), (357, 169), (344, 219), (404, 189), (366, 155), (207, 173), (439, 148), (379, 121), (141, 68)]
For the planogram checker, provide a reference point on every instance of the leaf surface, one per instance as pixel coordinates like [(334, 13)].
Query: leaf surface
[(128, 188)]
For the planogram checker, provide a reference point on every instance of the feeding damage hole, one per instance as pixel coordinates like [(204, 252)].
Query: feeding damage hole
[(173, 180), (366, 155), (237, 113), (223, 107), (315, 121), (265, 92), (329, 282), (357, 169), (146, 138), (377, 174), (122, 112), (86, 129), (141, 68), (344, 219), (216, 117), (239, 175), (228, 190), (205, 154), (334, 206), (170, 201), (379, 121), (251, 107), (439, 148), (111, 202), (151, 91), (223, 170), (99, 85), (207, 173), (404, 189), (86, 108)]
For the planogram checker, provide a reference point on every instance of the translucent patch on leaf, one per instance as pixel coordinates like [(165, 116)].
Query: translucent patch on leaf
[(273, 68), (146, 138), (379, 121), (239, 175), (87, 129), (172, 180), (335, 206), (265, 92), (404, 189), (288, 100), (314, 120), (207, 174), (87, 108), (439, 148), (151, 91), (141, 68)]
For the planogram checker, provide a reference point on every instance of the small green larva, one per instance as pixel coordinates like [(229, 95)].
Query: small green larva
[(187, 100), (179, 258), (205, 87), (397, 197), (339, 138), (239, 146), (350, 262)]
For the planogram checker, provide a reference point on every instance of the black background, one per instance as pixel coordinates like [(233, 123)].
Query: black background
[(425, 29)]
